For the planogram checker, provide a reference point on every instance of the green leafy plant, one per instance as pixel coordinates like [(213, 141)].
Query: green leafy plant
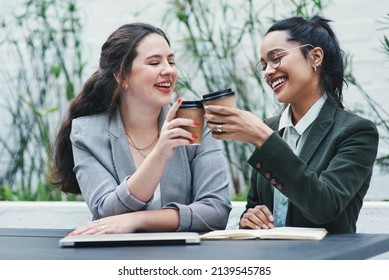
[(374, 110), (44, 51), (383, 116), (220, 42)]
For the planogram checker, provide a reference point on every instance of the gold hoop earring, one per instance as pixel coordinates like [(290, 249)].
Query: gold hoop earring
[(124, 91)]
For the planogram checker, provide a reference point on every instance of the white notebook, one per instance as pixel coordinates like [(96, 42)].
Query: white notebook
[(128, 239)]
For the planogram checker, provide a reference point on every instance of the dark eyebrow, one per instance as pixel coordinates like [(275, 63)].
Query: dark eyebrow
[(272, 51), (159, 56), (275, 50)]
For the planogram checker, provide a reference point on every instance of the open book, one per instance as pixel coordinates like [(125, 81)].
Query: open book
[(298, 233)]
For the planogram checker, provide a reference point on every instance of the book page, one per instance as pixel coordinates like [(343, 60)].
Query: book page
[(275, 233), (293, 233), (230, 234)]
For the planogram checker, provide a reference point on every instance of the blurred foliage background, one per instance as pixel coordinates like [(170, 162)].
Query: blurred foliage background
[(44, 42)]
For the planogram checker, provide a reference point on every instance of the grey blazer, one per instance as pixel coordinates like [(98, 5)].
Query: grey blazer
[(195, 180), (327, 182)]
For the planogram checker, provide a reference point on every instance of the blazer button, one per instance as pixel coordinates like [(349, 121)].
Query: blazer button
[(258, 165)]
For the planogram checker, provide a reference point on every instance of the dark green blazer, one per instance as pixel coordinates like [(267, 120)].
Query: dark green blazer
[(327, 182)]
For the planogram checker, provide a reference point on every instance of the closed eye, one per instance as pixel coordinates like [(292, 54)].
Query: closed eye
[(155, 63)]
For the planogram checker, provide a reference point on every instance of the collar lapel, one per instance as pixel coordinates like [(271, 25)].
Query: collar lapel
[(121, 156), (320, 129)]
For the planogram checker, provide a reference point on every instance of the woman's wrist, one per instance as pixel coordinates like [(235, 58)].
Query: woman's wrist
[(157, 220), (262, 134)]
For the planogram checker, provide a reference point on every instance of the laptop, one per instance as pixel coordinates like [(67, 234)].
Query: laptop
[(131, 239)]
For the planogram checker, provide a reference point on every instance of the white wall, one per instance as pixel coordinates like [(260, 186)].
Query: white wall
[(356, 22), (68, 215)]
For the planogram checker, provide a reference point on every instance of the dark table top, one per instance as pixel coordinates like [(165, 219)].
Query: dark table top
[(42, 244)]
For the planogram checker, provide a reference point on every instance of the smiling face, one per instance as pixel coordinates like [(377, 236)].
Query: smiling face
[(153, 74), (294, 81)]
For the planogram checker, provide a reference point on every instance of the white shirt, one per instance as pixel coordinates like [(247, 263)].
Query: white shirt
[(295, 137), (156, 203)]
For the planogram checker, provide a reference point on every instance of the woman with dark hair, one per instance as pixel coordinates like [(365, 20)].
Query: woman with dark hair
[(313, 163), (123, 148)]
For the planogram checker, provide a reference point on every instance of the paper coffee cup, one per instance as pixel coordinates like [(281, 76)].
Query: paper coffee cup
[(224, 97), (193, 110)]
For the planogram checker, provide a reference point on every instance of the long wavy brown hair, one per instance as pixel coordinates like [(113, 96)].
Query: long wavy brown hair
[(100, 93)]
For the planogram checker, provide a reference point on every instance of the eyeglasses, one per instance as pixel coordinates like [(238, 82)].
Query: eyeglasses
[(275, 58)]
